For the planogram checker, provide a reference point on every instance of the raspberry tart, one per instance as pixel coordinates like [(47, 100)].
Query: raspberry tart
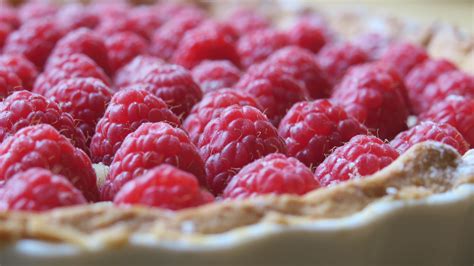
[(230, 133)]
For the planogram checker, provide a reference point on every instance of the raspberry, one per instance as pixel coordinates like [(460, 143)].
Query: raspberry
[(426, 131), (74, 16), (237, 137), (165, 187), (42, 146), (71, 66), (210, 41), (457, 111), (373, 44), (308, 33), (272, 174), (172, 83), (244, 21), (23, 108), (211, 106), (35, 40), (166, 39), (9, 82), (361, 156), (404, 56), (9, 15), (125, 75), (22, 67), (5, 30), (420, 77), (152, 144), (123, 47), (84, 98), (82, 41), (450, 83), (300, 64), (215, 75), (128, 109), (256, 46), (313, 129), (38, 190), (337, 58), (273, 88), (374, 95), (36, 10)]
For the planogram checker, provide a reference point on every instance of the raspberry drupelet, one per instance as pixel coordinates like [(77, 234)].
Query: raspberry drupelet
[(22, 67), (215, 75)]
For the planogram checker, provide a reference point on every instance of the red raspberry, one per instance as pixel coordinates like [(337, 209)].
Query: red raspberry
[(337, 58), (172, 83), (166, 39), (256, 46), (313, 129), (273, 88), (272, 174), (35, 40), (301, 65), (72, 66), (9, 82), (126, 75), (128, 109), (374, 95), (457, 111), (22, 67), (123, 47), (166, 187), (211, 106), (82, 41), (209, 41), (361, 156), (453, 82), (23, 108), (5, 30), (34, 10), (84, 98), (42, 146), (404, 56), (374, 44), (38, 190), (244, 21), (237, 137), (9, 15), (152, 144), (74, 16), (429, 131), (308, 33), (215, 75)]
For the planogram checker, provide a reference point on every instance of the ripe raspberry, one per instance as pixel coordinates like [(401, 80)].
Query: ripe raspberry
[(5, 30), (84, 98), (123, 47), (72, 66), (33, 10), (22, 67), (312, 130), (82, 41), (457, 111), (300, 65), (450, 83), (126, 75), (211, 106), (152, 144), (172, 83), (23, 108), (42, 146), (404, 56), (374, 95), (244, 21), (373, 44), (166, 187), (74, 16), (9, 15), (429, 131), (215, 75), (35, 40), (361, 156), (166, 39), (38, 190), (272, 174), (9, 82), (273, 88), (308, 33), (337, 58), (256, 46), (237, 137), (128, 109), (208, 41)]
